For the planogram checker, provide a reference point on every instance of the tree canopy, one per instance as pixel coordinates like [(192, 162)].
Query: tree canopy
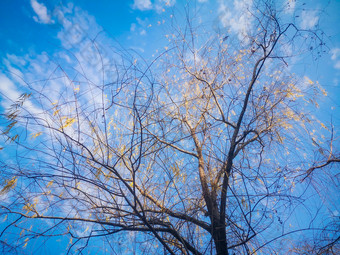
[(210, 147)]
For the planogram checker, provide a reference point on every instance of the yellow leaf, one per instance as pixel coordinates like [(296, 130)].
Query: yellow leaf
[(10, 184), (55, 112), (309, 80), (260, 180), (68, 122), (77, 185), (122, 149), (36, 135), (49, 184), (28, 208), (98, 172)]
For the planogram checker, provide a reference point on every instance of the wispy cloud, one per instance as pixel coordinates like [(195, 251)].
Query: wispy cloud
[(142, 5), (72, 69), (309, 19), (8, 90), (290, 6), (10, 93), (159, 5), (42, 14), (238, 18), (133, 27), (335, 56)]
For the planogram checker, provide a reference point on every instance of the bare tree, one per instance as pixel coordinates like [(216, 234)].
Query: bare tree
[(208, 149)]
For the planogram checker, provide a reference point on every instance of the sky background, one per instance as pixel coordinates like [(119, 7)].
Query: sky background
[(32, 29), (36, 36)]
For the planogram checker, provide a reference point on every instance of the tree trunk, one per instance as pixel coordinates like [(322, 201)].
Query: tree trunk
[(219, 236)]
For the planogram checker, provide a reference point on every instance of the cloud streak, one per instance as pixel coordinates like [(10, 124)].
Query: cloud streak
[(142, 5), (309, 19), (158, 5), (335, 56), (238, 18), (290, 6), (41, 12), (8, 90)]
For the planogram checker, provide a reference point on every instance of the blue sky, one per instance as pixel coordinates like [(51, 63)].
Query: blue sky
[(36, 36), (31, 28)]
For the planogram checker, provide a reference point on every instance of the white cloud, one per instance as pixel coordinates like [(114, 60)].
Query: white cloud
[(8, 90), (15, 59), (142, 22), (82, 59), (142, 5), (41, 11), (133, 27), (16, 75), (309, 19), (335, 53), (79, 28), (290, 6), (57, 78), (10, 94), (238, 18), (335, 56), (141, 26), (159, 5)]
